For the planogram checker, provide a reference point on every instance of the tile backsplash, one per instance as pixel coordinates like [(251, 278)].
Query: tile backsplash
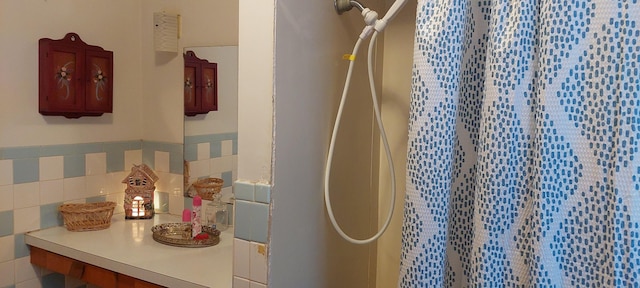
[(34, 181)]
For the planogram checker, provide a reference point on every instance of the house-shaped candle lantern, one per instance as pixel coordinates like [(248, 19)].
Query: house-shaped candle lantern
[(138, 197)]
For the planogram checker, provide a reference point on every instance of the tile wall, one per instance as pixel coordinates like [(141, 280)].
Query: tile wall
[(251, 234), (34, 181), (213, 155)]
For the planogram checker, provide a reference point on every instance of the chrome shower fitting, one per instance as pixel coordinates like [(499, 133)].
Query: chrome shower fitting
[(346, 5)]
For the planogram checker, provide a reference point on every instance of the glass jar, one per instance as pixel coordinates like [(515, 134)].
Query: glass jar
[(217, 215)]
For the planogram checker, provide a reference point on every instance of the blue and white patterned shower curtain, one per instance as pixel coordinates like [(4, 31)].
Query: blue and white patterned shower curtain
[(523, 167)]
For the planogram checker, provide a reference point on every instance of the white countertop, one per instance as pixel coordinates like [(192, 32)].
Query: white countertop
[(128, 247)]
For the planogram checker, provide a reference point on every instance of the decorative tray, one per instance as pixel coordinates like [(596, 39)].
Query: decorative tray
[(179, 234)]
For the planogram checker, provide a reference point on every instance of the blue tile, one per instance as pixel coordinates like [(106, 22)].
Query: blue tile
[(21, 152), (188, 203), (190, 152), (96, 199), (20, 247), (244, 191), (263, 193), (224, 136), (234, 147), (85, 148), (115, 161), (53, 280), (115, 156), (228, 179), (6, 223), (196, 139), (215, 149), (74, 166), (49, 216), (26, 170), (176, 161), (242, 220), (259, 222), (57, 150), (148, 157)]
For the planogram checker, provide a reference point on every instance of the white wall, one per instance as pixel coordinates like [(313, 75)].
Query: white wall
[(255, 93), (113, 25), (396, 97), (309, 73), (204, 23)]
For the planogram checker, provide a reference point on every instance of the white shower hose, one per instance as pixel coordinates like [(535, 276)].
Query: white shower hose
[(382, 135)]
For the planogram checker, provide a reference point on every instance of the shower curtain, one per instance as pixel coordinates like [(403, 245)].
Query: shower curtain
[(523, 167)]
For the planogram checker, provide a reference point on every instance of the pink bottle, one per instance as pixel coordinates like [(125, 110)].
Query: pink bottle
[(196, 223)]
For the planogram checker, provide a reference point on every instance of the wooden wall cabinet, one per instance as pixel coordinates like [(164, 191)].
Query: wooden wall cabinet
[(76, 79), (200, 85)]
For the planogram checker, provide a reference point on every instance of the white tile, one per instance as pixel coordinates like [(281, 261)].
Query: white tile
[(241, 258), (222, 164), (118, 198), (51, 168), (51, 191), (227, 147), (114, 182), (7, 273), (132, 157), (258, 262), (199, 168), (241, 283), (73, 188), (6, 172), (226, 193), (257, 285), (96, 163), (6, 197), (204, 151), (31, 283), (26, 195), (24, 270), (176, 204), (161, 162), (7, 248), (96, 185), (171, 182), (26, 219)]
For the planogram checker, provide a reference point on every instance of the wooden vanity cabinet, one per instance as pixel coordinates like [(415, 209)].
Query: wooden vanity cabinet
[(200, 85), (86, 272), (75, 79)]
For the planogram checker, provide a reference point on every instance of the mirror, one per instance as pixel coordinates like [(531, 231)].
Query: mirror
[(211, 139)]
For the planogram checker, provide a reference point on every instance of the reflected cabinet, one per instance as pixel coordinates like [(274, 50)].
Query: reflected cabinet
[(200, 85), (75, 79)]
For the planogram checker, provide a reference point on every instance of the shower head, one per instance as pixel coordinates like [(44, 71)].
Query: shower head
[(371, 17), (346, 5)]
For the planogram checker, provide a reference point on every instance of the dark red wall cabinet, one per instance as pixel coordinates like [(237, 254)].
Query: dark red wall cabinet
[(76, 79), (200, 85)]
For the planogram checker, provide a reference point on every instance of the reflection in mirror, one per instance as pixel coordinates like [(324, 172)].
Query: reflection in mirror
[(211, 139)]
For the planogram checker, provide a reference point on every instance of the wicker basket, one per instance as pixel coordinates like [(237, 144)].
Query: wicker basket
[(87, 217), (208, 187)]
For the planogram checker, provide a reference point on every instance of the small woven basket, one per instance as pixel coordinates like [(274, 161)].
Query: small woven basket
[(88, 216), (208, 187)]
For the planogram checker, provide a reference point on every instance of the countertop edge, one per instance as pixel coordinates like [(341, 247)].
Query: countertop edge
[(112, 265)]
